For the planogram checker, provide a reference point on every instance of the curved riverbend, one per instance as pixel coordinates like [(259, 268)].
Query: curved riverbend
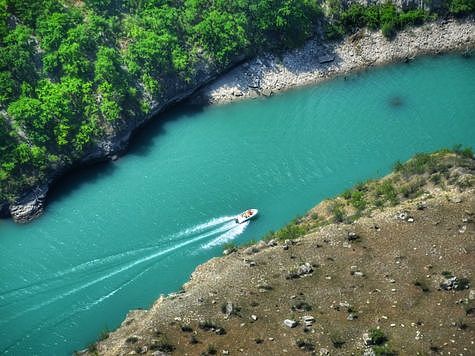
[(118, 235)]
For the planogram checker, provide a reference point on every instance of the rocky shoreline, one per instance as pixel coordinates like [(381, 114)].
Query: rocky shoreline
[(263, 76), (318, 61)]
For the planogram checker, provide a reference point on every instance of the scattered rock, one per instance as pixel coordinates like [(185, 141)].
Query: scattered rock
[(326, 58), (272, 243), (229, 309), (471, 294), (305, 269), (324, 352), (454, 283), (367, 340), (369, 352), (352, 316), (30, 206), (352, 236), (300, 271), (254, 317), (422, 205)]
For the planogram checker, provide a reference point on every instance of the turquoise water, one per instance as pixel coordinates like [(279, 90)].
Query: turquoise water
[(116, 236)]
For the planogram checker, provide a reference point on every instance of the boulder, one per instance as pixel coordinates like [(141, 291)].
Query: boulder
[(290, 323), (30, 206), (305, 269), (326, 58)]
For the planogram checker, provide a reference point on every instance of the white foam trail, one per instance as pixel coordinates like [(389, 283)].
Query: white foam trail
[(102, 260), (224, 228), (227, 236), (204, 226)]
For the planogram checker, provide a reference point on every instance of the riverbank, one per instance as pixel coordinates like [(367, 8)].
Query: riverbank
[(318, 60), (385, 267)]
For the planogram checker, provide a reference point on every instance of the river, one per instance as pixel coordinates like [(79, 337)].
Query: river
[(116, 236)]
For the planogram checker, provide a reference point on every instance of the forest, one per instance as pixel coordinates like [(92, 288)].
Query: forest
[(72, 72)]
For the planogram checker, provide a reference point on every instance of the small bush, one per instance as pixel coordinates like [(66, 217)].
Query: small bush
[(301, 306), (305, 344), (357, 200), (462, 284), (334, 31), (208, 325), (211, 350), (465, 152), (422, 286), (162, 344), (337, 341), (389, 29), (461, 7), (383, 350), (186, 328), (338, 213), (230, 246), (388, 192), (447, 274), (377, 337)]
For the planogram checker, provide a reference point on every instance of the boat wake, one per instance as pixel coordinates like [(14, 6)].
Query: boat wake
[(87, 274)]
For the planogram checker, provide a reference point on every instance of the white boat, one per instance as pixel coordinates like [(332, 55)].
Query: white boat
[(246, 215)]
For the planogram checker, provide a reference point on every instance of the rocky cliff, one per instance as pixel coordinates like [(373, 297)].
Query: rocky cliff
[(263, 76)]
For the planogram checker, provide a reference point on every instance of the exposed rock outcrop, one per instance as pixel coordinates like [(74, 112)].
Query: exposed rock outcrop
[(319, 61), (30, 206)]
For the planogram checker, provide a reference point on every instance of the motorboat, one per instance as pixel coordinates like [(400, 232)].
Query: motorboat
[(246, 215)]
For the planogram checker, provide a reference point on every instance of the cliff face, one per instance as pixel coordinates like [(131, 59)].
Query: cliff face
[(32, 203), (392, 276)]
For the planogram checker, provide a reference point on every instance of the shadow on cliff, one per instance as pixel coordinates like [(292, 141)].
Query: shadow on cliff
[(142, 141)]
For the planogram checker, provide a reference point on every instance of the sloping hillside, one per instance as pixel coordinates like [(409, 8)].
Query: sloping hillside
[(384, 269)]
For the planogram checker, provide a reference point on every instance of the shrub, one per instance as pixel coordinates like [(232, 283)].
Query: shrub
[(186, 328), (389, 29), (377, 337), (162, 344), (305, 344), (461, 7), (337, 341), (387, 191), (334, 31), (301, 306), (357, 200), (383, 350), (338, 213), (422, 285), (230, 246)]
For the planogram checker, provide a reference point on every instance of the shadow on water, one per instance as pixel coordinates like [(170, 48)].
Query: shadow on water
[(141, 142), (70, 182)]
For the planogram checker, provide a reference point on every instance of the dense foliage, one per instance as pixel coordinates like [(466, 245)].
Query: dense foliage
[(383, 16), (74, 71)]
